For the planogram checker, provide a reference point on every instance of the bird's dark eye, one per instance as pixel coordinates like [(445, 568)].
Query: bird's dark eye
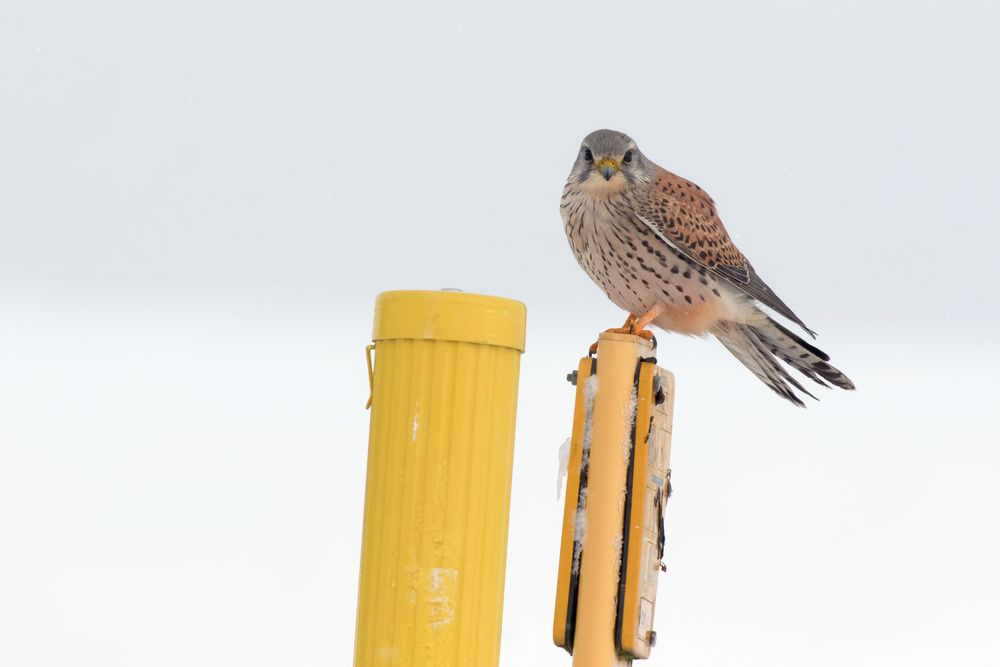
[(627, 157), (587, 155)]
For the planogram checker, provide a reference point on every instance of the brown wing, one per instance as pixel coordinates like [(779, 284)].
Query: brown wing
[(683, 215)]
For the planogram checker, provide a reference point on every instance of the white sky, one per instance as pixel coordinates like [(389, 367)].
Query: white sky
[(199, 202)]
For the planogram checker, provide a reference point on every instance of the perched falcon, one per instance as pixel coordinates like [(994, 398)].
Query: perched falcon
[(654, 243)]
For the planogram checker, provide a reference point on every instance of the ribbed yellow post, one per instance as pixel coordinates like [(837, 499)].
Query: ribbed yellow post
[(437, 498), (614, 413)]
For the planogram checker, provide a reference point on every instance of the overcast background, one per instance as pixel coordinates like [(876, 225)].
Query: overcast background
[(199, 202)]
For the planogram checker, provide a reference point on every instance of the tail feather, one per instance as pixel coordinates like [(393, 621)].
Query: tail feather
[(800, 355), (737, 340), (764, 354), (760, 345), (774, 351)]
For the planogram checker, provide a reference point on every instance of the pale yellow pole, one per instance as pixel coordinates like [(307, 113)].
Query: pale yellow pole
[(437, 496), (613, 416)]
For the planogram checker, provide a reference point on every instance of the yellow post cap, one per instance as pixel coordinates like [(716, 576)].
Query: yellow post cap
[(450, 315)]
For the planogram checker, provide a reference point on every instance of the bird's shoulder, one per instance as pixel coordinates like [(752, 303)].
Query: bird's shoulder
[(687, 216), (672, 186)]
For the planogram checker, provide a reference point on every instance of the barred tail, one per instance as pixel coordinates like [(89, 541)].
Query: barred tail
[(759, 346)]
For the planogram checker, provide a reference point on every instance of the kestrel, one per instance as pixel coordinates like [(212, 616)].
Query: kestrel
[(654, 243)]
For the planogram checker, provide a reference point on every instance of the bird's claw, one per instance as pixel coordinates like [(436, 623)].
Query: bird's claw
[(629, 330)]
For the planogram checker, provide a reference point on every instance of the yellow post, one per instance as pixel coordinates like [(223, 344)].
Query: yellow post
[(614, 414), (437, 498)]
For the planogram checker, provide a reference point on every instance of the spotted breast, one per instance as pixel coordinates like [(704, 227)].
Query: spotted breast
[(638, 270)]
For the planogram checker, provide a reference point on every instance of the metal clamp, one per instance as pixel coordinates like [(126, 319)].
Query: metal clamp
[(371, 374)]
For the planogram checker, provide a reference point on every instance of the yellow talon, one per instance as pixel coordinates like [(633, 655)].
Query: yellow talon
[(635, 325)]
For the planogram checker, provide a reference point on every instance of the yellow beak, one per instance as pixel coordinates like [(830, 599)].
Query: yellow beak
[(607, 167)]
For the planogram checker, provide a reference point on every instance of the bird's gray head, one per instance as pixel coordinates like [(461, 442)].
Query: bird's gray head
[(609, 162)]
